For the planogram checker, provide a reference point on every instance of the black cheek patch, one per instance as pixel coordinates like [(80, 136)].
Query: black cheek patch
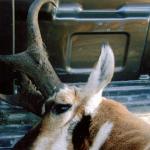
[(81, 134), (60, 108)]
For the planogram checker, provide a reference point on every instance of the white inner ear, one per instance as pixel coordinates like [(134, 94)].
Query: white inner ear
[(99, 77), (92, 103), (103, 71)]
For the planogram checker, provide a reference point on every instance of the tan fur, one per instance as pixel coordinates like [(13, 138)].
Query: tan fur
[(91, 122), (129, 132), (52, 126)]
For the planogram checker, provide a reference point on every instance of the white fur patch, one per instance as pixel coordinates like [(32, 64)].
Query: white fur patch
[(102, 135), (61, 141), (55, 141), (41, 144), (147, 147), (93, 103)]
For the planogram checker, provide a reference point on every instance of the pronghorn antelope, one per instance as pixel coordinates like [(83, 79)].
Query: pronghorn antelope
[(72, 117)]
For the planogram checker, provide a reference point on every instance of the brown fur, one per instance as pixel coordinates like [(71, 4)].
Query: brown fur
[(90, 116), (128, 133)]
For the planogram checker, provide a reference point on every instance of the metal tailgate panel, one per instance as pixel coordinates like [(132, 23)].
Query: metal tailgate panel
[(81, 32), (75, 34)]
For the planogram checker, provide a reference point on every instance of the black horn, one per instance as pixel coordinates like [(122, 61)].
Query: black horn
[(34, 61)]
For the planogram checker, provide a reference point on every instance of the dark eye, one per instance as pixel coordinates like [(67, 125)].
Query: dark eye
[(60, 108)]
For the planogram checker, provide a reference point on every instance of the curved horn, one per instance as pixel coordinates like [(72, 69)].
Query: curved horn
[(28, 97), (34, 61), (34, 35), (26, 100)]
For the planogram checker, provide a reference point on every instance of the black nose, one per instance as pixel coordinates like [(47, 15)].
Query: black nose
[(60, 108)]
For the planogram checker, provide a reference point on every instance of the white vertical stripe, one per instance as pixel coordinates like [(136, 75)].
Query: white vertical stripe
[(93, 103), (147, 147), (102, 135)]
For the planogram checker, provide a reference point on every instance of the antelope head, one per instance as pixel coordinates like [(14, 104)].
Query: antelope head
[(68, 106), (72, 117), (72, 102), (40, 85), (42, 92)]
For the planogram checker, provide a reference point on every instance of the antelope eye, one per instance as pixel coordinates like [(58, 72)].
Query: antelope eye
[(60, 108)]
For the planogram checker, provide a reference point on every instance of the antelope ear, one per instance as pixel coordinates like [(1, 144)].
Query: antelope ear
[(102, 72)]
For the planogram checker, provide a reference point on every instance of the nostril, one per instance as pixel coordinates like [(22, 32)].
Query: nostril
[(60, 108)]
